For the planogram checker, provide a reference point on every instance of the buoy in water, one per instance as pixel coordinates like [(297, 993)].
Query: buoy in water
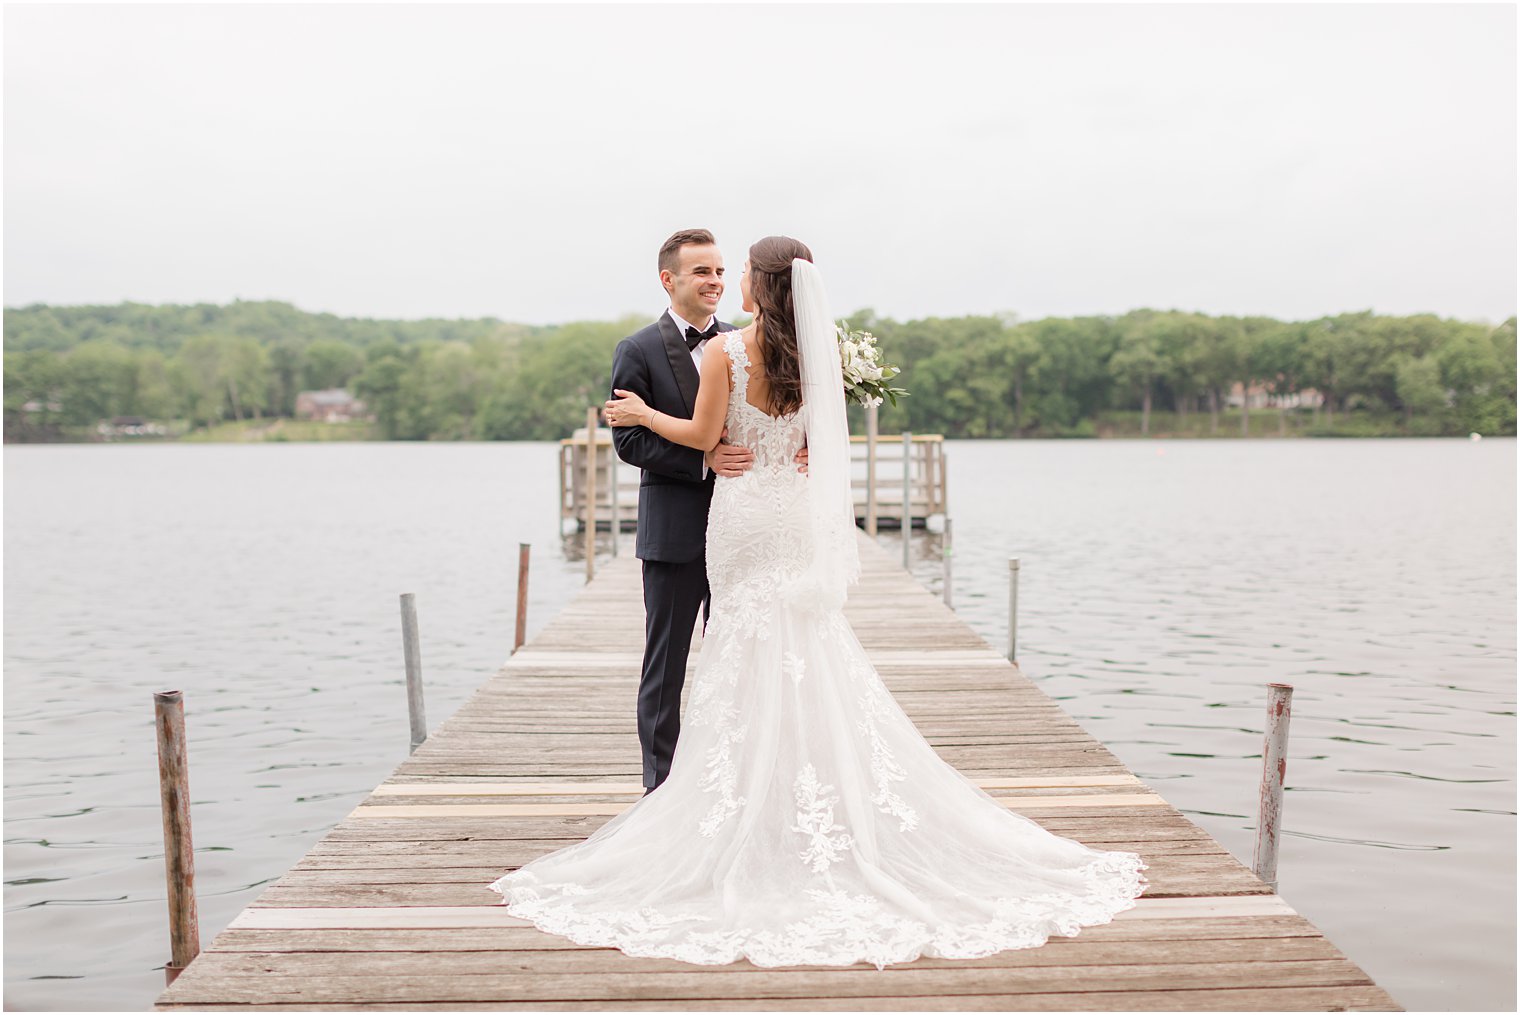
[(1475, 436)]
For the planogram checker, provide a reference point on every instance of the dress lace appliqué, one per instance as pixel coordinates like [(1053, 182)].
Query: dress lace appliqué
[(805, 821), (827, 841)]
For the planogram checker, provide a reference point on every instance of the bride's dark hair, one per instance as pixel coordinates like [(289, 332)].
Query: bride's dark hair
[(770, 280)]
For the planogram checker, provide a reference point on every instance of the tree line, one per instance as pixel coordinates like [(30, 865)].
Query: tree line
[(67, 368)]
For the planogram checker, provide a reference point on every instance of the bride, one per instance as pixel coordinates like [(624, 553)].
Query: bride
[(805, 820)]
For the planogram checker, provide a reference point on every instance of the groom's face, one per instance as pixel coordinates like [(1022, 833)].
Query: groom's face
[(696, 285)]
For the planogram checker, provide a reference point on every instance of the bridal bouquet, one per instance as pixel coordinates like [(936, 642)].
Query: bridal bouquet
[(865, 375)]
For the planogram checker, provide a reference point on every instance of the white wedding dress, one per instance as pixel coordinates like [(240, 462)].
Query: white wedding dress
[(805, 820)]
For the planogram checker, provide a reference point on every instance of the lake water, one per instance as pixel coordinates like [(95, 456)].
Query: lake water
[(1163, 585)]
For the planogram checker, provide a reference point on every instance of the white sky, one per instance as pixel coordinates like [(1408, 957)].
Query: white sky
[(525, 162)]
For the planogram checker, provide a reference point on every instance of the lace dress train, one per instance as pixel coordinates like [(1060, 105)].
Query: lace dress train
[(805, 820)]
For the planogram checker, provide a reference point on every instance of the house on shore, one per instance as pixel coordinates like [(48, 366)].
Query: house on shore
[(333, 405), (1259, 396), (129, 426)]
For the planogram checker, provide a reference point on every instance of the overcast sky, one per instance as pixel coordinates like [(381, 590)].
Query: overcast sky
[(525, 162)]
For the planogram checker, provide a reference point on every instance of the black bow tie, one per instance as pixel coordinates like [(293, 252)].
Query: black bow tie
[(695, 337)]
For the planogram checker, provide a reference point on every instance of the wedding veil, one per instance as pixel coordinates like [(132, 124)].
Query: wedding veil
[(836, 560)]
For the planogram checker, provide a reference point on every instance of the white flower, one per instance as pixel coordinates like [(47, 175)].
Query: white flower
[(862, 367)]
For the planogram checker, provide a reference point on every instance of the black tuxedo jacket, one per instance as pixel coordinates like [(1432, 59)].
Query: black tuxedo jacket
[(673, 497)]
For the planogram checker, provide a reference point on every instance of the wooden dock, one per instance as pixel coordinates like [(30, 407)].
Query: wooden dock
[(391, 911), (616, 490)]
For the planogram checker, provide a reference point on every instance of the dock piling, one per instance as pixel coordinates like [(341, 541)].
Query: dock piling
[(907, 499), (411, 650), (944, 480), (871, 427), (1274, 769), (179, 849), (1013, 609), (523, 552), (612, 481), (590, 493), (947, 544)]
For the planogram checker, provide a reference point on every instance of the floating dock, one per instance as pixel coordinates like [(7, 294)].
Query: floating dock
[(390, 910), (927, 481)]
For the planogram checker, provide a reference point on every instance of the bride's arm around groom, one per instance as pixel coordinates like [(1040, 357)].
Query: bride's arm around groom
[(636, 445), (630, 410)]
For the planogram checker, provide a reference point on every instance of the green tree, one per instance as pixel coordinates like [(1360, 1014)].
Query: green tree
[(216, 375), (381, 386), (330, 364), (1181, 340), (95, 381), (196, 373), (1136, 362), (1417, 383), (1279, 357), (1330, 356), (247, 377), (285, 376), (1471, 368), (153, 394)]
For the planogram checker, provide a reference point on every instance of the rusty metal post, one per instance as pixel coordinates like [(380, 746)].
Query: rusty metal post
[(590, 493), (179, 850), (523, 551), (411, 649), (1274, 770)]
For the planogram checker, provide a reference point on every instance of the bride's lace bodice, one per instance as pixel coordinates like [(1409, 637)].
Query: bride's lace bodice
[(758, 538), (775, 440)]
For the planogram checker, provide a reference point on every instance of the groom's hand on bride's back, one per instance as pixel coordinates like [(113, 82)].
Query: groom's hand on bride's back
[(729, 459)]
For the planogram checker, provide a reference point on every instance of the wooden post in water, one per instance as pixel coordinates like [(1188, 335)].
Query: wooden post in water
[(590, 493), (523, 550), (1013, 610), (948, 545), (566, 491), (1274, 769), (612, 478), (944, 482), (907, 501), (411, 650), (871, 470), (179, 850)]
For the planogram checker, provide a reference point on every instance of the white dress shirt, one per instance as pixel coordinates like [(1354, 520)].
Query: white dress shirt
[(681, 326)]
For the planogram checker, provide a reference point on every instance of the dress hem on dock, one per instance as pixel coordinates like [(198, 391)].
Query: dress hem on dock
[(846, 929)]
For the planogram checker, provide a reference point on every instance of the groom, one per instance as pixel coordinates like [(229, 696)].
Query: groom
[(660, 365)]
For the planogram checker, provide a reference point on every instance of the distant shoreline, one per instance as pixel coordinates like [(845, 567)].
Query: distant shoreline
[(210, 373), (344, 434)]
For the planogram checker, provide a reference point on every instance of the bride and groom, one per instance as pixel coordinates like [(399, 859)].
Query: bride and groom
[(801, 819)]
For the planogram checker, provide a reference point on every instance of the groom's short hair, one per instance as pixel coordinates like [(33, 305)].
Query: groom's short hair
[(671, 248)]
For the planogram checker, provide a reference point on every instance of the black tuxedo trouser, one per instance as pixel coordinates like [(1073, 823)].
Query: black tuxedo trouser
[(672, 595)]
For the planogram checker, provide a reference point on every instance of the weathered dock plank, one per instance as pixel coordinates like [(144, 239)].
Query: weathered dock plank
[(390, 910)]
